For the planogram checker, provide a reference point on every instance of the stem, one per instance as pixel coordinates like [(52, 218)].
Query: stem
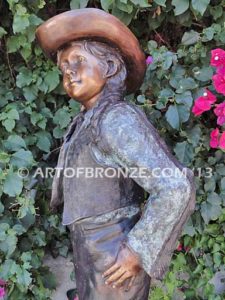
[(8, 62), (11, 290), (162, 40), (199, 25)]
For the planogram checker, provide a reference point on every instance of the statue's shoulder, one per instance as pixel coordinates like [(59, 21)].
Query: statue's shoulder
[(122, 121), (121, 112)]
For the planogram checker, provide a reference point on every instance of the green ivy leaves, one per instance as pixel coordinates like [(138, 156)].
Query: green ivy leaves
[(200, 6), (106, 4), (177, 114), (43, 141), (160, 2), (51, 79), (211, 209), (19, 273), (24, 24), (180, 6), (9, 117), (2, 32), (13, 184), (21, 19), (22, 158), (62, 117), (141, 3), (14, 143), (190, 37), (24, 78), (74, 4), (48, 81)]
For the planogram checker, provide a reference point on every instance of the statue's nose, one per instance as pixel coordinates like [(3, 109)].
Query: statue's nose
[(71, 74)]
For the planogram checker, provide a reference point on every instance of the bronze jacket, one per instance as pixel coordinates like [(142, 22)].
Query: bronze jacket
[(126, 139)]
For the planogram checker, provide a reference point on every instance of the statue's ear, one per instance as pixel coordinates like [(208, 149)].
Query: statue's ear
[(112, 67)]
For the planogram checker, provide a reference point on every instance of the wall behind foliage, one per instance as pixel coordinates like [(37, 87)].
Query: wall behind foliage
[(35, 112)]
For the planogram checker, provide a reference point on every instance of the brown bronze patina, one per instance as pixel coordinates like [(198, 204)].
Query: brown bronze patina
[(97, 25), (117, 248)]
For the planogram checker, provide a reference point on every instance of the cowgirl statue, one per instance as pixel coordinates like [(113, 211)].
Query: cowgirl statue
[(118, 248)]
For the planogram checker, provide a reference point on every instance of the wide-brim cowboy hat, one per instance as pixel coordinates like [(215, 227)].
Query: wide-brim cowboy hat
[(94, 24)]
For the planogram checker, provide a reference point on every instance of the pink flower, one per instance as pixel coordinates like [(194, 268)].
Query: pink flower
[(76, 298), (209, 97), (217, 58), (219, 80), (200, 106), (149, 60), (222, 141), (179, 247), (2, 292), (2, 282), (220, 113), (214, 138), (203, 103)]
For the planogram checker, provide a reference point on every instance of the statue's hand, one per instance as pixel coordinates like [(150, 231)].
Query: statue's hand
[(127, 266)]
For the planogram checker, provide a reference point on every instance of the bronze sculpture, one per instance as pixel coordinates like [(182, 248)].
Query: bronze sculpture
[(117, 248)]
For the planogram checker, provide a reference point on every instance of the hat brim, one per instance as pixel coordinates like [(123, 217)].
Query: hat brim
[(95, 24)]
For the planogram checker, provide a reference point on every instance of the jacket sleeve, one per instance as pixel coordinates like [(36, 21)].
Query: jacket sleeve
[(131, 141)]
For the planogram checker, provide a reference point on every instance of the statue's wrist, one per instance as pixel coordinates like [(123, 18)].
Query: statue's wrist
[(129, 247)]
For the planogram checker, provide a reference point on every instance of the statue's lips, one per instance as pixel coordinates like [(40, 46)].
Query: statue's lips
[(74, 83)]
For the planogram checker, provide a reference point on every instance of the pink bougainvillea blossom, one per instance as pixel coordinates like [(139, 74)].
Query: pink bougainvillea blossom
[(217, 58), (203, 103), (179, 247), (214, 138), (219, 80), (2, 282), (149, 60), (2, 292), (209, 96), (217, 140), (200, 106), (222, 141), (220, 113)]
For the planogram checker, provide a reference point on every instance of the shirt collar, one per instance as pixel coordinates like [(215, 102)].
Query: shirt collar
[(87, 114)]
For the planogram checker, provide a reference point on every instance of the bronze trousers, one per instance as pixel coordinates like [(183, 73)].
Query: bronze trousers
[(95, 248)]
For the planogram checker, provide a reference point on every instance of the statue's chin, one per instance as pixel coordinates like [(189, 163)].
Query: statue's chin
[(73, 94)]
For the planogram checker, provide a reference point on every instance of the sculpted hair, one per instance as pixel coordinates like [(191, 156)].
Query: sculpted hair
[(108, 55)]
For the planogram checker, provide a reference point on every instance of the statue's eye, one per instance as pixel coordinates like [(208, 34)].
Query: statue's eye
[(63, 66), (81, 59)]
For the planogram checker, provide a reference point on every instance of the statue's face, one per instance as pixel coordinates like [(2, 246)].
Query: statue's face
[(82, 76)]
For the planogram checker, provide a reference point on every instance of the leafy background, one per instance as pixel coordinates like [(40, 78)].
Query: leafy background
[(34, 113)]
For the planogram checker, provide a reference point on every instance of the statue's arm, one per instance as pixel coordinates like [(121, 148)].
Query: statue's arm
[(57, 191), (57, 194), (132, 142)]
